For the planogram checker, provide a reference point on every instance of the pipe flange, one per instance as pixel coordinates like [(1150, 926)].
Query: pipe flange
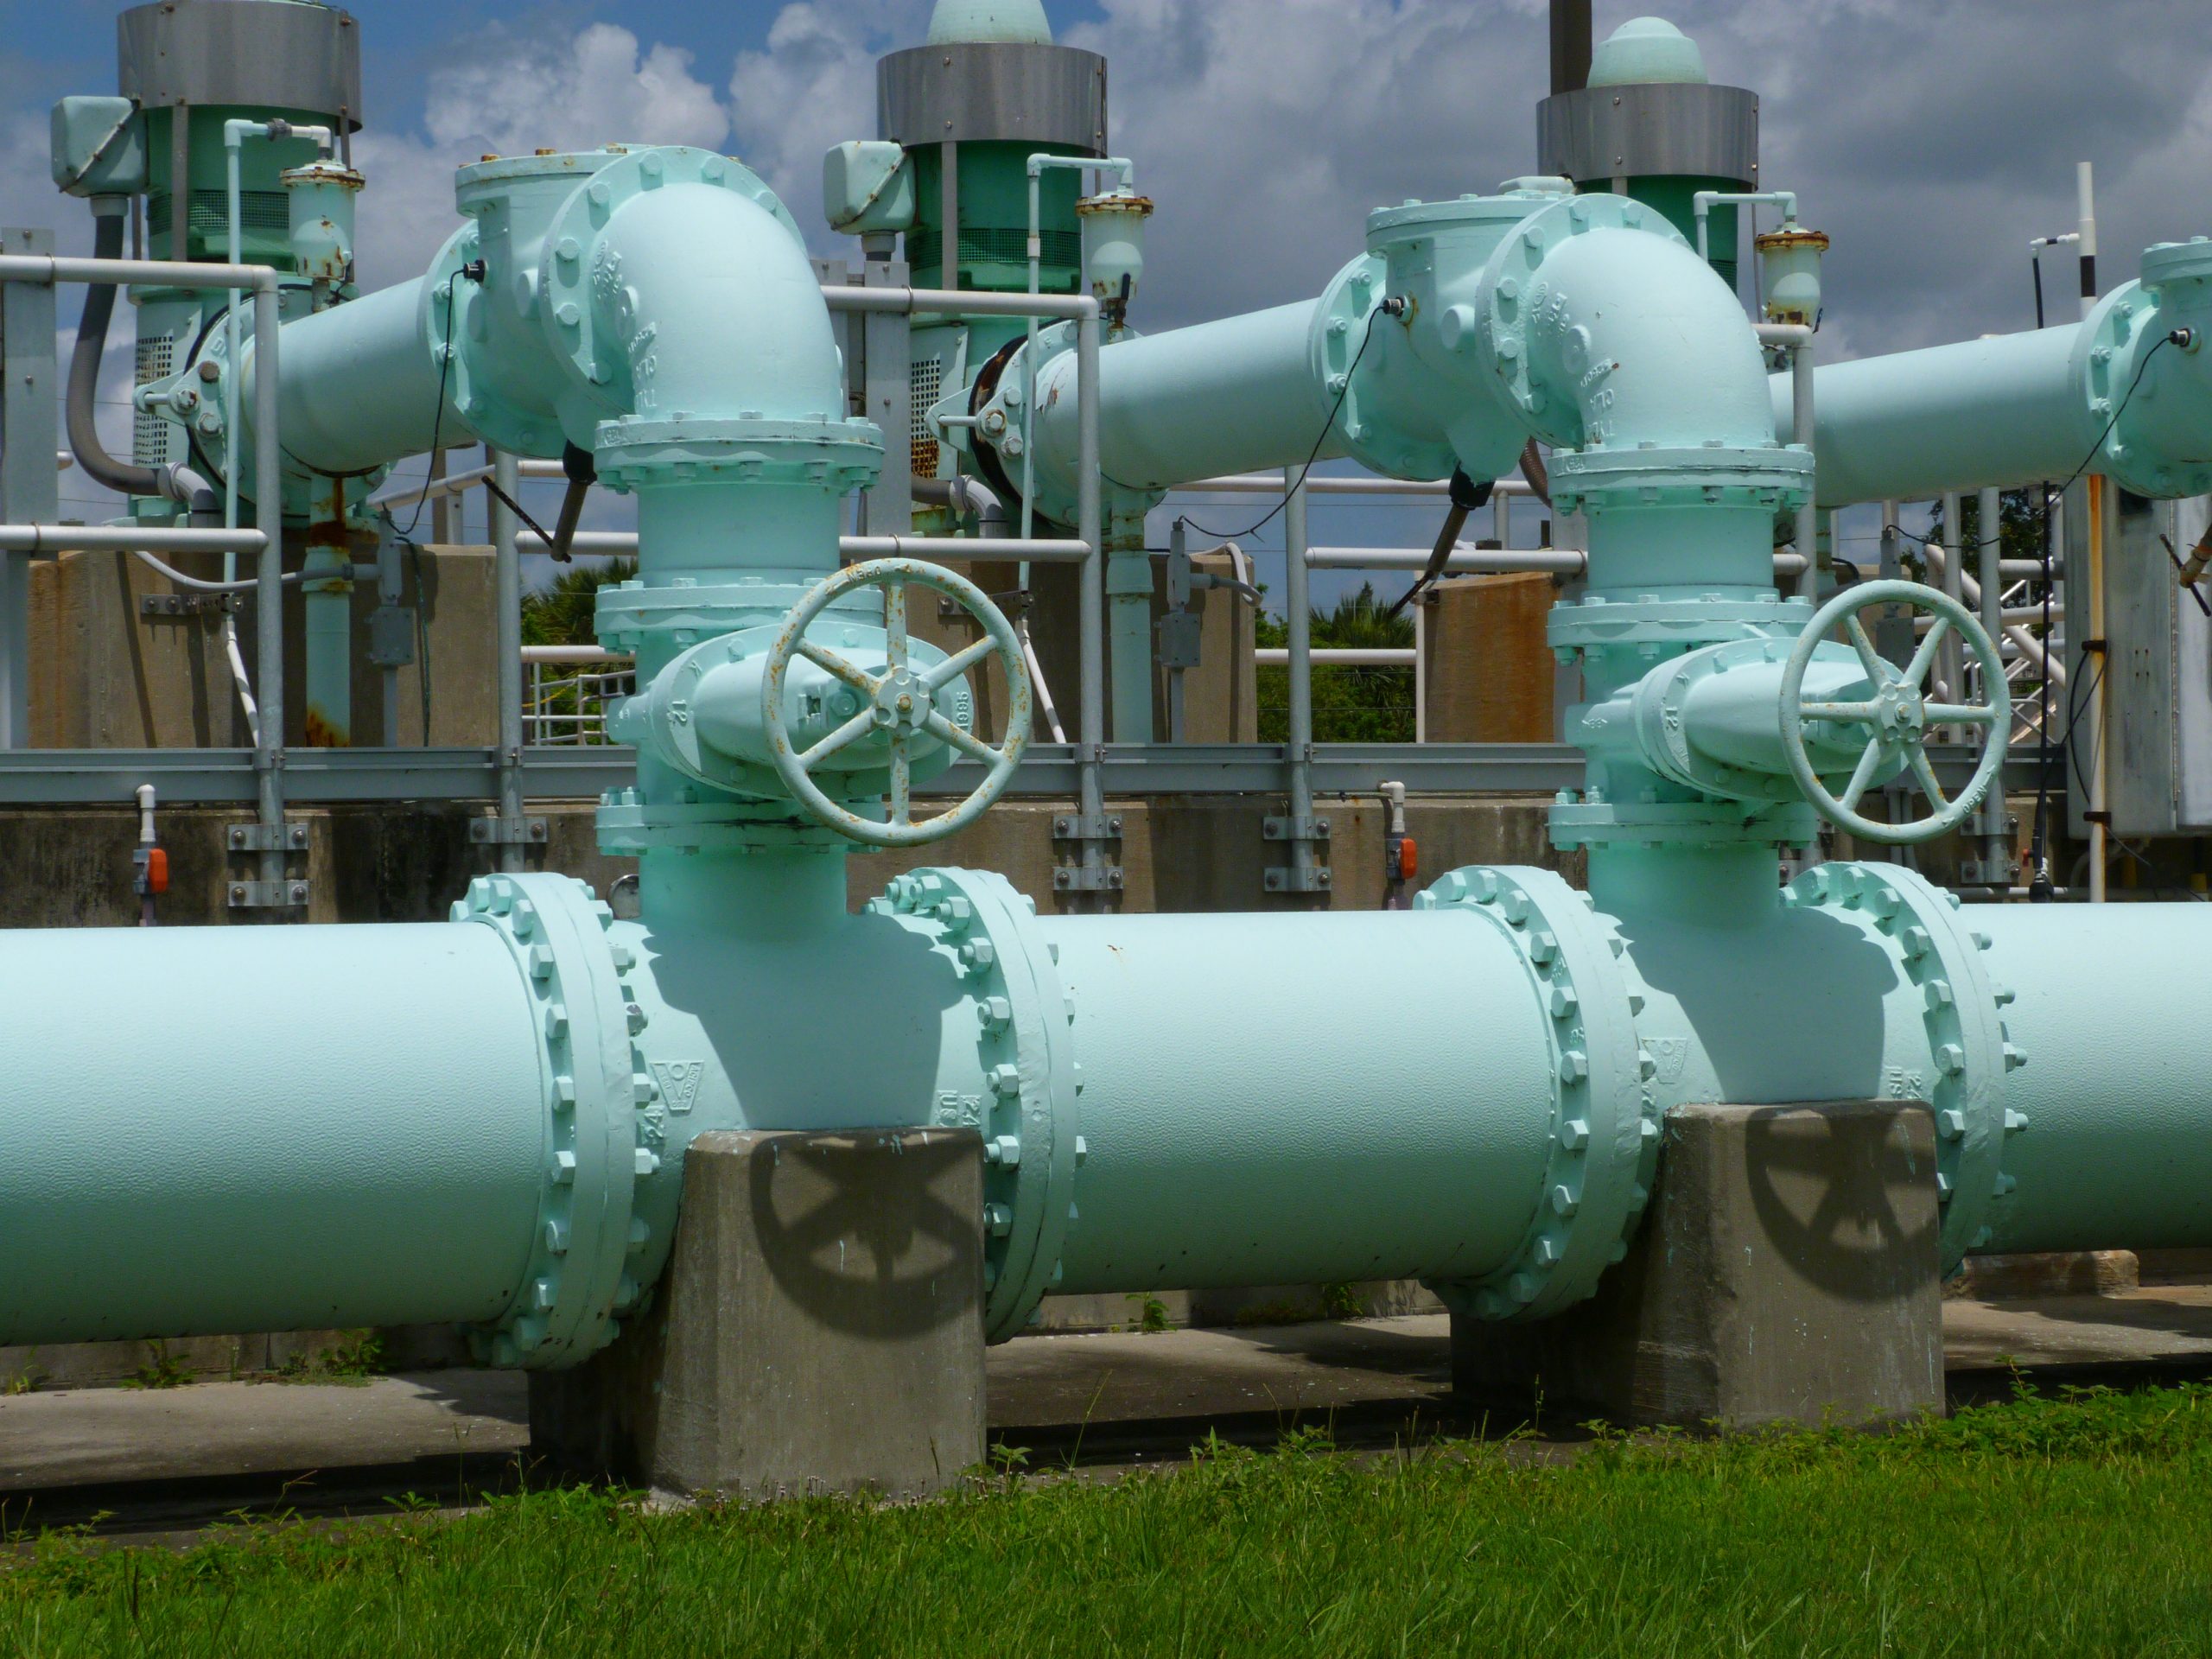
[(1579, 821), (1026, 1112), (1606, 1119), (578, 274), (628, 616), (1341, 321), (1655, 627), (1516, 298), (629, 825), (1776, 477), (835, 454), (605, 1126), (1970, 1045), (2110, 355)]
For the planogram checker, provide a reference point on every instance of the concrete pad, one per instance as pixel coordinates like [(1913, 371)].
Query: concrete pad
[(171, 1457), (76, 1437), (1786, 1271), (819, 1329)]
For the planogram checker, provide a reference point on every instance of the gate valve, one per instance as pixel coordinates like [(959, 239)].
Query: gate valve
[(900, 704), (1896, 717)]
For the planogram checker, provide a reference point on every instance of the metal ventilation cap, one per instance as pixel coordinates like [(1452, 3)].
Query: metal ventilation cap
[(958, 21), (1642, 52)]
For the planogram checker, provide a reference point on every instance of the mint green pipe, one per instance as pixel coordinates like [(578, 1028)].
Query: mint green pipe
[(357, 1139), (1345, 1120), (2116, 393), (2114, 1151)]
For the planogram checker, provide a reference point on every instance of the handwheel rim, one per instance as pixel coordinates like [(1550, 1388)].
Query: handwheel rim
[(1898, 704), (901, 700)]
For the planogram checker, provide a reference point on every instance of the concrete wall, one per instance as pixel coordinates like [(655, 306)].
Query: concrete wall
[(105, 676), (1491, 673)]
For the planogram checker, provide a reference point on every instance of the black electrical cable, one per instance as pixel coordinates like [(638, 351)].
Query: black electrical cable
[(1395, 308), (474, 272)]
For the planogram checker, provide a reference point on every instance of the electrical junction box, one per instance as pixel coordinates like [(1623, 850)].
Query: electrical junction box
[(99, 147), (2158, 672), (868, 188)]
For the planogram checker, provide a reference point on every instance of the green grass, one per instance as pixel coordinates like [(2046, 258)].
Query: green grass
[(2073, 1526)]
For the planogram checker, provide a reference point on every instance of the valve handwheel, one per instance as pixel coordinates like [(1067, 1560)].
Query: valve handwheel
[(901, 703), (1897, 718)]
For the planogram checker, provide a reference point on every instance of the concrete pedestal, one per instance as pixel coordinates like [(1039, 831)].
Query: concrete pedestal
[(1786, 1271), (819, 1328)]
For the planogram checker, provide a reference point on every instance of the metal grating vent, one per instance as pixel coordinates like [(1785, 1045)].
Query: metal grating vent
[(927, 385), (258, 210), (149, 433), (986, 245)]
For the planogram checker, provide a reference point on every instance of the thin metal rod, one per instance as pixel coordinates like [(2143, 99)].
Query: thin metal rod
[(2100, 795), (1298, 750), (937, 302), (1268, 484), (126, 538), (1326, 656), (1989, 531), (183, 273), (1091, 611), (507, 564), (1802, 429), (269, 597)]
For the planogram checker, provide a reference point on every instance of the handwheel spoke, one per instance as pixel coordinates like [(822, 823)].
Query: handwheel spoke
[(1869, 764), (1869, 658), (894, 623), (954, 666), (1916, 671), (846, 735), (1851, 714), (902, 782), (830, 663), (961, 738), (1926, 774), (1963, 714)]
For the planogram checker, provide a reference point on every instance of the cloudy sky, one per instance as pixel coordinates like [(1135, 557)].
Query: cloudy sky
[(1930, 138)]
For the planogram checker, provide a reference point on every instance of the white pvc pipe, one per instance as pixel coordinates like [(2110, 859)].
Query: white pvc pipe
[(1362, 656)]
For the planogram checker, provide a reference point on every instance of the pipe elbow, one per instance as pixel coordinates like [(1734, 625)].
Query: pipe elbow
[(713, 309), (1620, 337)]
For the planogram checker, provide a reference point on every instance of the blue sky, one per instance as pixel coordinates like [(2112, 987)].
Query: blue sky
[(1929, 138)]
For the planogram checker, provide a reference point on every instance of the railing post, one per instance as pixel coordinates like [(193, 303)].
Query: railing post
[(30, 438), (507, 564)]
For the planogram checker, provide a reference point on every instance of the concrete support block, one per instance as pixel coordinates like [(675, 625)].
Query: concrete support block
[(2069, 1273), (819, 1328), (1490, 676), (1785, 1272)]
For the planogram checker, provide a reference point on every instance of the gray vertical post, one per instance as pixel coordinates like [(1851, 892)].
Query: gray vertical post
[(887, 355), (948, 153), (507, 580), (1954, 575), (1802, 428), (1299, 623), (269, 589), (1091, 612), (441, 509), (1996, 839), (180, 179), (29, 493)]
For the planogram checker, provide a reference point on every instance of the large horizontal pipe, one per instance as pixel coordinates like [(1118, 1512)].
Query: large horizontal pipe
[(215, 1129), (2108, 1012), (1275, 1141)]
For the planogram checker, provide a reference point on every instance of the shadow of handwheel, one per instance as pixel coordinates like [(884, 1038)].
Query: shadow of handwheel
[(1853, 1167), (860, 1253)]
